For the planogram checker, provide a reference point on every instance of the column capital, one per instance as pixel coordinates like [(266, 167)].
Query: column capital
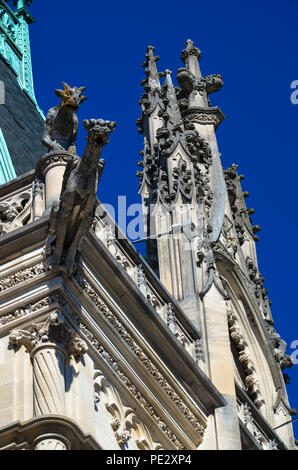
[(53, 332)]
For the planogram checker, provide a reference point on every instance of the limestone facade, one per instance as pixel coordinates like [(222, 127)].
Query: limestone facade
[(100, 349)]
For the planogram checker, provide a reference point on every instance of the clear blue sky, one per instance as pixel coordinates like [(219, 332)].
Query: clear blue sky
[(252, 44)]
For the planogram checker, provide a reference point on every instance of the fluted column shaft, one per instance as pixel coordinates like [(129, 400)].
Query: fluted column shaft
[(48, 379)]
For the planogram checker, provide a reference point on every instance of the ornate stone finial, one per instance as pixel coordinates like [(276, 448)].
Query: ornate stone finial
[(62, 123), (190, 50), (151, 85), (171, 115), (151, 70)]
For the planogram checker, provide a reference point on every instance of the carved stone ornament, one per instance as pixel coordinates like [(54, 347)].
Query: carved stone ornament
[(124, 422), (206, 255), (281, 357), (245, 359), (24, 311), (114, 406), (53, 330), (212, 116), (21, 276), (49, 343), (15, 212), (188, 180), (73, 215), (259, 291), (114, 248)]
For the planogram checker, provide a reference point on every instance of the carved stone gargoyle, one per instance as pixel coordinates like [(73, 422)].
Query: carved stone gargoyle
[(73, 215), (62, 123)]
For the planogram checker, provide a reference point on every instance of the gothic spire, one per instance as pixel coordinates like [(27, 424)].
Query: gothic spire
[(151, 69), (151, 83), (182, 174), (195, 88), (190, 56), (171, 114)]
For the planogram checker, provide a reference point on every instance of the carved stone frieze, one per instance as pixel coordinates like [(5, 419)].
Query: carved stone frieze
[(212, 116), (24, 311), (153, 299), (254, 428), (141, 280), (21, 276)]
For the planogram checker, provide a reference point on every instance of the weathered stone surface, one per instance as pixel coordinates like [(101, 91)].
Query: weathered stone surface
[(96, 351)]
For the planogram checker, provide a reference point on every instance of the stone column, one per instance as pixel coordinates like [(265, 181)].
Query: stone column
[(50, 169), (48, 379), (49, 344)]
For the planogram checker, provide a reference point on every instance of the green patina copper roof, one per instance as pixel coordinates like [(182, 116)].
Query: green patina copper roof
[(15, 43), (21, 120)]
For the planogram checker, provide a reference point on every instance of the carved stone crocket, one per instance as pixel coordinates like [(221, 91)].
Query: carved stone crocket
[(73, 217), (62, 123)]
